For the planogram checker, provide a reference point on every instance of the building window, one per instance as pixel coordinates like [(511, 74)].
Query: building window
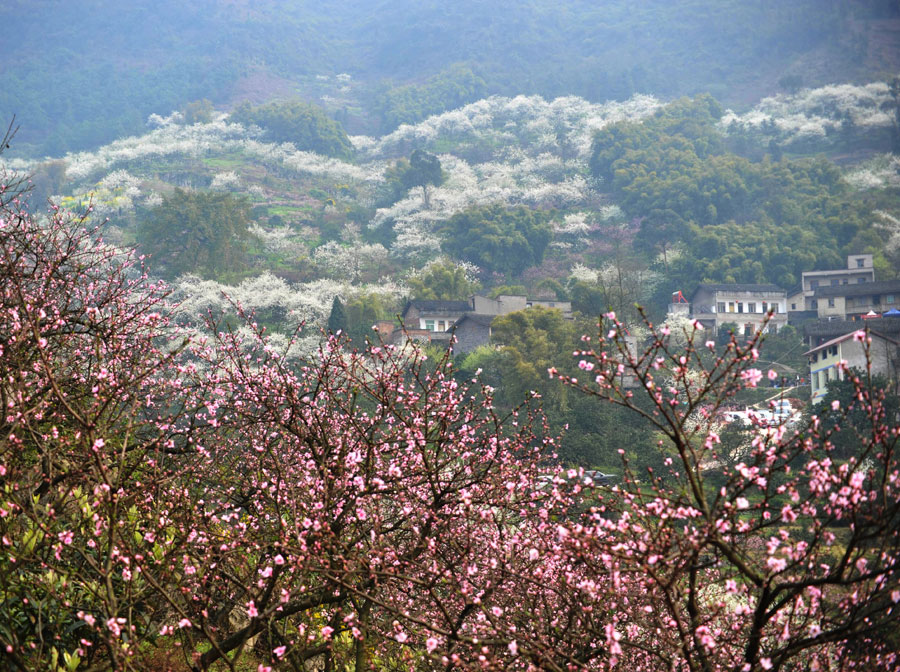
[(831, 303), (861, 281), (429, 325), (765, 306), (793, 306), (751, 307), (720, 307), (731, 306), (888, 298), (740, 307), (835, 282), (814, 304), (813, 284), (774, 308), (860, 263), (834, 351), (876, 300)]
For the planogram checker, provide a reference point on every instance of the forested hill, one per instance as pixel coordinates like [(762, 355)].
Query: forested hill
[(78, 75)]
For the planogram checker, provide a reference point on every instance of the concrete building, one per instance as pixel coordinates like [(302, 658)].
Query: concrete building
[(852, 302), (433, 315), (818, 332), (473, 330), (860, 269), (884, 354), (746, 306), (470, 321)]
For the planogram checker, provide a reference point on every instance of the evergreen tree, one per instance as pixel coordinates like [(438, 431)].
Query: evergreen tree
[(337, 320)]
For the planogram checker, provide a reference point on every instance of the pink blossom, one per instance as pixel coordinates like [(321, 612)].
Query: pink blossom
[(751, 377)]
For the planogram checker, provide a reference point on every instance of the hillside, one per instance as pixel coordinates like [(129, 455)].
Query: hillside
[(81, 75), (324, 227)]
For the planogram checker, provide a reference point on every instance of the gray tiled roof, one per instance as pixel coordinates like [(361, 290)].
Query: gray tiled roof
[(477, 318), (438, 305), (860, 289)]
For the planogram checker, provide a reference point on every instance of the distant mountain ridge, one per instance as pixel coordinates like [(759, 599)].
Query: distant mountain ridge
[(79, 75)]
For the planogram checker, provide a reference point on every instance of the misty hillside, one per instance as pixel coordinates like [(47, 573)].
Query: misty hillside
[(104, 66)]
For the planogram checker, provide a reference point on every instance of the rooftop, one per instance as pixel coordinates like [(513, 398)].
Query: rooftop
[(438, 305), (477, 318), (724, 287), (841, 339), (860, 289)]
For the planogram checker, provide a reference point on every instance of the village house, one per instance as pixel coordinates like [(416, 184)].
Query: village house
[(745, 306), (860, 269), (435, 321), (817, 332), (855, 302), (824, 360)]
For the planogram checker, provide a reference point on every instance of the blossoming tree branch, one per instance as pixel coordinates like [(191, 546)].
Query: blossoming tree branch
[(212, 502)]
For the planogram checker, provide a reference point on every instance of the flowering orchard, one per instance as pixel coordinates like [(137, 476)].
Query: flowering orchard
[(214, 502)]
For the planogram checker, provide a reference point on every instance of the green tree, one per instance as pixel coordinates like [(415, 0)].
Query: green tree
[(443, 280), (534, 340), (197, 112), (496, 238), (424, 170), (307, 126), (852, 418), (337, 319), (195, 231), (449, 89)]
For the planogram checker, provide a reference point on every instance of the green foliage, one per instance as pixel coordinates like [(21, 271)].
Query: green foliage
[(598, 430), (424, 169), (71, 93), (498, 239), (409, 104), (443, 280), (508, 290), (337, 319), (364, 310), (304, 125), (197, 112), (733, 220), (534, 340), (196, 232), (421, 169), (852, 420)]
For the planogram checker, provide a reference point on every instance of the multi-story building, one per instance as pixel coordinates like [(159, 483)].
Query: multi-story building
[(745, 306), (851, 348), (860, 269), (852, 302)]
